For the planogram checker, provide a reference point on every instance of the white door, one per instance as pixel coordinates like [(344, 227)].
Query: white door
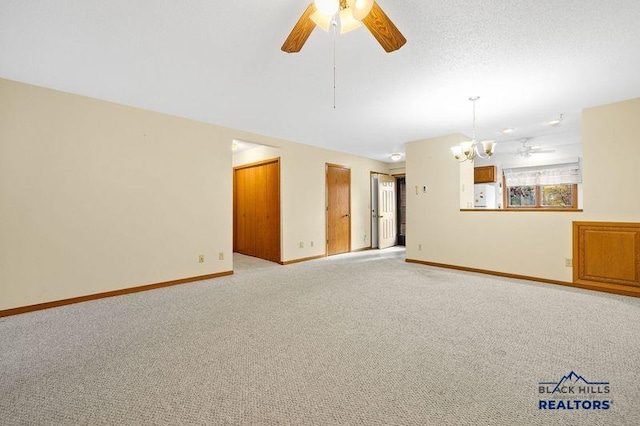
[(386, 211)]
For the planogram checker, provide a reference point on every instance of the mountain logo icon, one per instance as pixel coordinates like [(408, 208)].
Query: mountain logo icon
[(572, 378)]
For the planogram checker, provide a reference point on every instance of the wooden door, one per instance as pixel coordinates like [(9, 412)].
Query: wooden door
[(338, 181), (386, 211), (249, 213), (244, 208), (256, 205), (261, 210), (268, 212)]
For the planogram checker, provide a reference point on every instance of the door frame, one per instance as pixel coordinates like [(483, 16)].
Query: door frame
[(326, 204), (394, 211), (235, 199)]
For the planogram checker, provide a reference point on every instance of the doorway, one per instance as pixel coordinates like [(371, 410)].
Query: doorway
[(387, 211), (374, 209), (256, 209), (401, 209), (338, 208)]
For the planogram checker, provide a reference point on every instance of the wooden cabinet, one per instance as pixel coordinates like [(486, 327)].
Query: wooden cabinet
[(606, 256), (256, 210), (485, 174)]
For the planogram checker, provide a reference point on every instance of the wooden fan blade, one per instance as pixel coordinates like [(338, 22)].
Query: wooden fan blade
[(300, 32), (387, 34)]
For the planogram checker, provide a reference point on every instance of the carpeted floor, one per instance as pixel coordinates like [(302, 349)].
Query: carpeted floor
[(363, 338)]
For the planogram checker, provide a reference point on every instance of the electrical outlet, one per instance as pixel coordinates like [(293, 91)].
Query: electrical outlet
[(311, 244), (201, 258), (568, 263), (419, 247), (221, 255), (301, 244)]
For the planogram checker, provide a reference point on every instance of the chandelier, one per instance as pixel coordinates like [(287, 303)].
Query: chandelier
[(468, 150), (351, 12)]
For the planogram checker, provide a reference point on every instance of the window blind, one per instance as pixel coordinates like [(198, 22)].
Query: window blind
[(550, 174)]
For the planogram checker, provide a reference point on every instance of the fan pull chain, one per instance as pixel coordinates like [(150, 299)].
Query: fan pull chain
[(335, 38)]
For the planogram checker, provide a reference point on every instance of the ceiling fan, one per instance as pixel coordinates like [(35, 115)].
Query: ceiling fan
[(350, 14), (527, 150)]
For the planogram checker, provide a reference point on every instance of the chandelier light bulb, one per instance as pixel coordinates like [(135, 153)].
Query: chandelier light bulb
[(327, 7), (467, 147), (456, 151), (488, 147)]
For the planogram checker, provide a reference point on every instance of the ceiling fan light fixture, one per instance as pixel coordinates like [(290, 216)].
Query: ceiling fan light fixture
[(321, 20), (347, 21), (327, 7), (324, 14), (361, 8)]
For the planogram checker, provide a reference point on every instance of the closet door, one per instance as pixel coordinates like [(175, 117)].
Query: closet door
[(261, 210), (249, 196), (270, 238), (338, 195), (257, 210), (244, 215)]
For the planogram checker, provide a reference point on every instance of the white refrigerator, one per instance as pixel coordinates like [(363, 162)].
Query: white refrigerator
[(484, 196)]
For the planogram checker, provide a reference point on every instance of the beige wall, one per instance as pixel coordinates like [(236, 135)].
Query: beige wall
[(303, 193), (96, 196), (525, 243), (610, 142)]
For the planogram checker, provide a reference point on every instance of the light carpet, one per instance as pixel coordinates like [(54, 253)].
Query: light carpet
[(363, 338)]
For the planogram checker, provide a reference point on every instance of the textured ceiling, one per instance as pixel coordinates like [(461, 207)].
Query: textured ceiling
[(220, 62)]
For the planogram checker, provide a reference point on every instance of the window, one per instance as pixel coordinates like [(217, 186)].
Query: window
[(558, 195), (522, 196), (562, 196), (550, 186)]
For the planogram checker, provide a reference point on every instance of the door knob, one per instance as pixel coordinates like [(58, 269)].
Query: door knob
[(380, 217)]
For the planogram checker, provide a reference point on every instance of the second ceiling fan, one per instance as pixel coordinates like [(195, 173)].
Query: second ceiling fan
[(350, 14), (526, 150)]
